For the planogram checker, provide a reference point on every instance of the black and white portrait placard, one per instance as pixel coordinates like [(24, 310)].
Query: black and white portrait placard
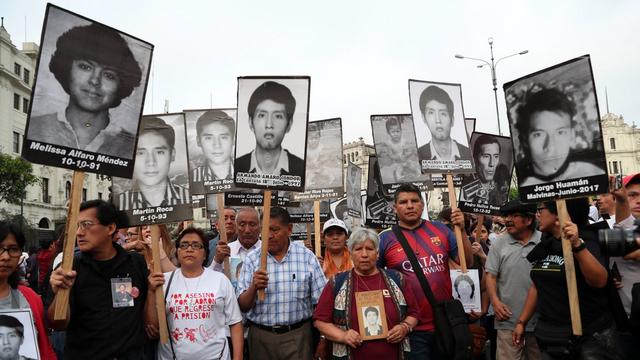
[(353, 187), (466, 288), (488, 189), (440, 129), (557, 138), (159, 190), (272, 117), (211, 137), (395, 143), (324, 161), (18, 334), (378, 203), (88, 95)]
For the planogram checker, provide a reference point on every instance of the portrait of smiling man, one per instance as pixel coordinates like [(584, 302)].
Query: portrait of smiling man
[(155, 155), (98, 68)]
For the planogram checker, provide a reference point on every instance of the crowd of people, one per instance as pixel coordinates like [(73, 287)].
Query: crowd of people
[(306, 306)]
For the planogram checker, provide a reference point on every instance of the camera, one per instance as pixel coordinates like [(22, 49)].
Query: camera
[(619, 242)]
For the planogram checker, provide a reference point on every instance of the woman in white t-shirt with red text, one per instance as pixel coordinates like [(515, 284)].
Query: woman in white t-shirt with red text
[(200, 304)]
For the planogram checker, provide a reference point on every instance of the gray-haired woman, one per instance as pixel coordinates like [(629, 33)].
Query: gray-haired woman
[(336, 315)]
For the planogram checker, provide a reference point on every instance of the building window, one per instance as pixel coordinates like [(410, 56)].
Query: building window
[(25, 105), (67, 190), (16, 101), (16, 142), (356, 155), (612, 142), (17, 69), (26, 75), (100, 195), (84, 195), (45, 191), (615, 167), (344, 158)]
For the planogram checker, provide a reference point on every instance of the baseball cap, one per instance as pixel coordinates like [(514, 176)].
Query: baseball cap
[(334, 222), (627, 179), (517, 206)]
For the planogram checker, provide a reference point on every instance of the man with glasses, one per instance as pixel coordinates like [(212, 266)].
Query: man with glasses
[(508, 280), (94, 316)]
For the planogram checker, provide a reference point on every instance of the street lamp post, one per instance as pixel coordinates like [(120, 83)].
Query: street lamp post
[(492, 65)]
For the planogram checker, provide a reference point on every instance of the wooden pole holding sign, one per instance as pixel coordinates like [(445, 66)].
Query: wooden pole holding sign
[(160, 301), (316, 228), (223, 232), (62, 297), (478, 229), (569, 270), (266, 219), (453, 202)]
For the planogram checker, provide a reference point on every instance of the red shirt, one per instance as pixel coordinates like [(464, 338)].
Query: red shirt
[(434, 243), (45, 257), (370, 349)]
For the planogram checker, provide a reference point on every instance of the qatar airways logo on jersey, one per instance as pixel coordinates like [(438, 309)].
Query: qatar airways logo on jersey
[(429, 264)]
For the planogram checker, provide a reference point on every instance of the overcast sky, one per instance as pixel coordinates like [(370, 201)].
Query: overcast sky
[(360, 54)]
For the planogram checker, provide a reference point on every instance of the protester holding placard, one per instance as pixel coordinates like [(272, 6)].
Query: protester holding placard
[(200, 304), (336, 256), (338, 304), (280, 326), (93, 316), (248, 238), (548, 293), (508, 279), (226, 222), (15, 296), (434, 244)]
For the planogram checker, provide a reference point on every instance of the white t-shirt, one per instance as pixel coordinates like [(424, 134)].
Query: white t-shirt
[(198, 312)]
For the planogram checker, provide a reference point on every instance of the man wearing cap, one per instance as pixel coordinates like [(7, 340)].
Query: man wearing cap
[(336, 257), (508, 279)]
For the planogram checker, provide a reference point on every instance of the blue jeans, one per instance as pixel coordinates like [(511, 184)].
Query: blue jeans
[(423, 346)]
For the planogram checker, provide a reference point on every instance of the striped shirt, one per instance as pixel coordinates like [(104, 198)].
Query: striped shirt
[(434, 243), (204, 173), (295, 284), (134, 199)]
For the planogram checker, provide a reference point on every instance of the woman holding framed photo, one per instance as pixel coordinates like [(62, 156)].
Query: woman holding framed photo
[(14, 296), (337, 315)]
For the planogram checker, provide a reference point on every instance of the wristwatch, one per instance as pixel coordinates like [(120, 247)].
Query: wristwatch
[(580, 247)]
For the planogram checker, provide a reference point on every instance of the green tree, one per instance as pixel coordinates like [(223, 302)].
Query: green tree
[(15, 175)]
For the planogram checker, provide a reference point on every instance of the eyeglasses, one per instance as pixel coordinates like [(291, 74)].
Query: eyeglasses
[(540, 208), (84, 225), (14, 252), (130, 234), (194, 246)]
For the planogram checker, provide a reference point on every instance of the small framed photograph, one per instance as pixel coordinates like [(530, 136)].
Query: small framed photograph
[(18, 332), (372, 318), (466, 288)]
